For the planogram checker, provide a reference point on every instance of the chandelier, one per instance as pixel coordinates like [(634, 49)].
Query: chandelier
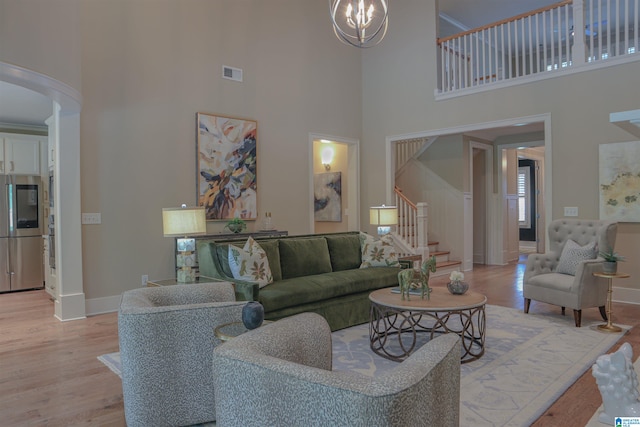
[(359, 23)]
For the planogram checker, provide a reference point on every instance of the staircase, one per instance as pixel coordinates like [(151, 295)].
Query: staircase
[(411, 236)]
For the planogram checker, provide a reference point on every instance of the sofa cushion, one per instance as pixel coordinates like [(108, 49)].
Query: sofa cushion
[(344, 252), (319, 287), (573, 254), (222, 252), (250, 263), (378, 252), (304, 257)]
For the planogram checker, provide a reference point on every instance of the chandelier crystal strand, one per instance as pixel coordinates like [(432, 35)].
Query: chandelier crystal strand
[(359, 23)]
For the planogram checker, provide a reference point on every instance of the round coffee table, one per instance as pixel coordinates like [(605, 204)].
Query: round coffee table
[(395, 323)]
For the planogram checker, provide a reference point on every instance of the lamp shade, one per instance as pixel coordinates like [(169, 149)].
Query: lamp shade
[(383, 215), (184, 221)]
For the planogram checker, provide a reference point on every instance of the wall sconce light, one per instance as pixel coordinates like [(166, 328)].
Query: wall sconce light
[(182, 222), (326, 155), (384, 217)]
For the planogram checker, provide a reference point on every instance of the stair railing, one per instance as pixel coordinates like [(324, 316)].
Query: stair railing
[(412, 224)]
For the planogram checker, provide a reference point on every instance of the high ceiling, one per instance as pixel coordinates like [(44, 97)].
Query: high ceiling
[(20, 106)]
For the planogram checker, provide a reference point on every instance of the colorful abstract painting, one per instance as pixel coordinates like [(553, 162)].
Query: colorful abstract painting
[(226, 167), (327, 196), (620, 181)]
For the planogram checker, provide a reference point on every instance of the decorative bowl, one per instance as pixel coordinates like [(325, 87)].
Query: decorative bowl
[(458, 288)]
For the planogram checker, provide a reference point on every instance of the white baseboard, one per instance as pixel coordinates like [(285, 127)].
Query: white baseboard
[(102, 305), (626, 295)]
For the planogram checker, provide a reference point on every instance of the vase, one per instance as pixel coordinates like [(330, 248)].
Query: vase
[(609, 267), (252, 314), (457, 287), (235, 228)]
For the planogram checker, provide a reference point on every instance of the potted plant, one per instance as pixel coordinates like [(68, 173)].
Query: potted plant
[(236, 225), (611, 259)]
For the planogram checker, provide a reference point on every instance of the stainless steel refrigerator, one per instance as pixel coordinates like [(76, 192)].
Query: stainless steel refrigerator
[(21, 225)]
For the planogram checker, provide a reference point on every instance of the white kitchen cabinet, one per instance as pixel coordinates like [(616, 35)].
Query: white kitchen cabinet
[(20, 154)]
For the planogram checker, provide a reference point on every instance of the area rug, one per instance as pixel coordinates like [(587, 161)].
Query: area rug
[(529, 361)]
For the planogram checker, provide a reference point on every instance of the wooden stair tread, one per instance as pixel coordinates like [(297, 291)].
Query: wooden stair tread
[(445, 264), (439, 253)]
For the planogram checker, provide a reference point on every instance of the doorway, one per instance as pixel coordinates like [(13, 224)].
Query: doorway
[(527, 190), (66, 101), (334, 184), (481, 156)]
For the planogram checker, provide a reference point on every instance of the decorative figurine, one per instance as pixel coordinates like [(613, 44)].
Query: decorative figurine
[(409, 279), (618, 385)]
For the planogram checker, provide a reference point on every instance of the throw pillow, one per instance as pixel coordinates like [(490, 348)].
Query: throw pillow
[(250, 263), (573, 254), (378, 252)]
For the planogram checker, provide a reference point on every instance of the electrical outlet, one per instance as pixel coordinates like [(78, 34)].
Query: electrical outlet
[(91, 218), (570, 211), (145, 279)]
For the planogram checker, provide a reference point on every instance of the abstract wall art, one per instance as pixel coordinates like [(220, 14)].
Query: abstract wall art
[(620, 181), (226, 167), (327, 196)]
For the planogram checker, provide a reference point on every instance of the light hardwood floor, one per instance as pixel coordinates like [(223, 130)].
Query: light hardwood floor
[(50, 376)]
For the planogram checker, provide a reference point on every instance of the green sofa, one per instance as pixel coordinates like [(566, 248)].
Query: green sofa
[(319, 273)]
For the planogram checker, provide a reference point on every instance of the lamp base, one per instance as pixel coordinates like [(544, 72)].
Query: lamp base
[(382, 230), (185, 259), (186, 275)]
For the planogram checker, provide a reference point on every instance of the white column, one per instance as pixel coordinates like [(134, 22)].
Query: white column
[(70, 304)]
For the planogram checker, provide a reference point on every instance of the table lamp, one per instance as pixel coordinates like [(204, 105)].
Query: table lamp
[(384, 217), (183, 222)]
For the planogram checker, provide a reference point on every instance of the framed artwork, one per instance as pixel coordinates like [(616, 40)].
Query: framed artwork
[(226, 167), (327, 196), (620, 181)]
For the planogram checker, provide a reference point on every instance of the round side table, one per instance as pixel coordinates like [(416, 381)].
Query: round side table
[(231, 330), (609, 326)]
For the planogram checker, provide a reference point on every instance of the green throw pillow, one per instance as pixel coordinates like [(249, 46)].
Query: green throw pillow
[(378, 252), (250, 263)]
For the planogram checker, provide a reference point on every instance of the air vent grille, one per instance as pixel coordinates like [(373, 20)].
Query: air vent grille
[(231, 73)]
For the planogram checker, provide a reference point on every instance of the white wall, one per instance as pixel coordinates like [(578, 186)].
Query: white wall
[(147, 67)]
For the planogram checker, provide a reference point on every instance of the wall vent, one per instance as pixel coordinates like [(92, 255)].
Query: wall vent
[(231, 73)]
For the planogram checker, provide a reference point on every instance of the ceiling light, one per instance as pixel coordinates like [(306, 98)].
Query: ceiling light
[(359, 23)]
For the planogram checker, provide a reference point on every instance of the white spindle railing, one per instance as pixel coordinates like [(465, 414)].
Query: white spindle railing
[(412, 224), (540, 41), (404, 150)]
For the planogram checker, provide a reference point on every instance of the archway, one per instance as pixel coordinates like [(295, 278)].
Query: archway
[(70, 299)]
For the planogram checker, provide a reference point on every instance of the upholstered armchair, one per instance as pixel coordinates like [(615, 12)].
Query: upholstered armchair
[(564, 276), (166, 345), (280, 375)]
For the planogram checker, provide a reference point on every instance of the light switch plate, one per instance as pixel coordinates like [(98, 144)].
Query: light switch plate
[(91, 218), (570, 211)]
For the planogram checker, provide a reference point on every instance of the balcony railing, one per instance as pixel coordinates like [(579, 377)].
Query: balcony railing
[(541, 41)]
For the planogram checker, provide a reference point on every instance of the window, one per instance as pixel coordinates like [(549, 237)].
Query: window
[(524, 191)]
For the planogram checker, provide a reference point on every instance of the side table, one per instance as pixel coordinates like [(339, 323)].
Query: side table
[(609, 326), (231, 330), (171, 282)]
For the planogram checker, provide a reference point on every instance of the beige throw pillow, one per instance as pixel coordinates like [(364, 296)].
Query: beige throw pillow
[(573, 254), (378, 252), (250, 263)]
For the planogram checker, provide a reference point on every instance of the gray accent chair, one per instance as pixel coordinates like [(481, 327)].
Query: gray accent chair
[(166, 344), (280, 375), (542, 283)]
